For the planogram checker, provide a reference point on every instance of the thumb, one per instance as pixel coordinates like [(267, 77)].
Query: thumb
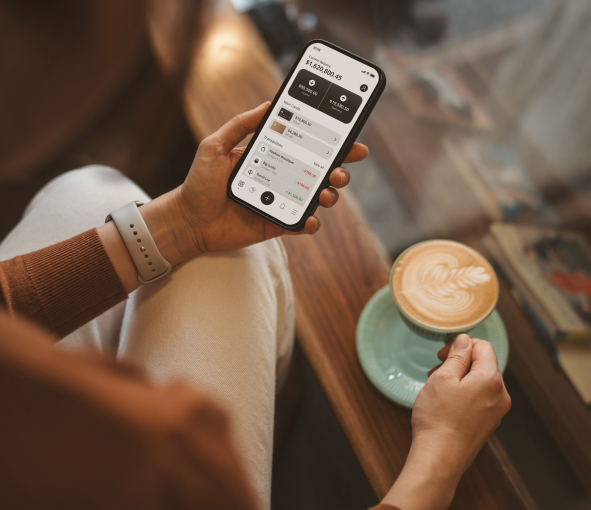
[(236, 130), (459, 358)]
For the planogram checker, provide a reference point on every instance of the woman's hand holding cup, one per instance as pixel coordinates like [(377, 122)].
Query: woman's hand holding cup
[(461, 404)]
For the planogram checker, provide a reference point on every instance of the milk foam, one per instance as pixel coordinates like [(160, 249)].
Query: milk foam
[(444, 284)]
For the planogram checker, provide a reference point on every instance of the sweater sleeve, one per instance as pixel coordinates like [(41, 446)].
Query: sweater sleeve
[(83, 431), (63, 286)]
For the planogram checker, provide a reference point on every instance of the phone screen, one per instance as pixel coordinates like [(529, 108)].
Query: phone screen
[(304, 132)]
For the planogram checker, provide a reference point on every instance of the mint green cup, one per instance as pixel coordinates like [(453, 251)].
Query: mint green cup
[(439, 334)]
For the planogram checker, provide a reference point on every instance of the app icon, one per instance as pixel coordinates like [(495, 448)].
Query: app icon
[(267, 198), (309, 88), (277, 126), (363, 88), (240, 183), (263, 148), (252, 190), (256, 161), (338, 107), (250, 171), (286, 114), (282, 206)]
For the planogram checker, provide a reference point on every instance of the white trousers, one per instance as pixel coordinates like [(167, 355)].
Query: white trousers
[(222, 321)]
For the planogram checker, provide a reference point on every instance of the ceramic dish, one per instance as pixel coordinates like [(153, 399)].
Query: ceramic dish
[(396, 360)]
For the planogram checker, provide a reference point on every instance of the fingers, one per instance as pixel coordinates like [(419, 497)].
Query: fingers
[(444, 351), (329, 197), (231, 133), (484, 358), (340, 177), (312, 225), (459, 358), (442, 356), (357, 153)]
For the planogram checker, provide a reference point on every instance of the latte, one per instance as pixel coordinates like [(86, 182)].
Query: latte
[(444, 285)]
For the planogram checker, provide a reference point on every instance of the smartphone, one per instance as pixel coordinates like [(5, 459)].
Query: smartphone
[(306, 133)]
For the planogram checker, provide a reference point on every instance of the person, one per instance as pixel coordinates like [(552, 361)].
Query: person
[(102, 421)]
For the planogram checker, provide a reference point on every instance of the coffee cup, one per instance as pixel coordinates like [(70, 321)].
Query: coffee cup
[(443, 288)]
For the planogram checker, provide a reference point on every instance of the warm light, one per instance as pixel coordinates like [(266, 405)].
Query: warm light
[(222, 46)]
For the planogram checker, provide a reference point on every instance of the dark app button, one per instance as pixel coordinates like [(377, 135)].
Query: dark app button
[(340, 103), (308, 88), (363, 88), (285, 114), (267, 198)]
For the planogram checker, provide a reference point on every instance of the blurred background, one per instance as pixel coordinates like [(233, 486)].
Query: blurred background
[(486, 120)]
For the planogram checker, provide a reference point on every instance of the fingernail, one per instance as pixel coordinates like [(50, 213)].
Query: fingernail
[(461, 342), (265, 104)]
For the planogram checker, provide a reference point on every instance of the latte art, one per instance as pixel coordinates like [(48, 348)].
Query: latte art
[(441, 287), (443, 284)]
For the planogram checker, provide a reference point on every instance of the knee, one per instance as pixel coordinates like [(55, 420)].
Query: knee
[(275, 258), (91, 185), (107, 181), (88, 177), (259, 270), (93, 171), (276, 263), (87, 174)]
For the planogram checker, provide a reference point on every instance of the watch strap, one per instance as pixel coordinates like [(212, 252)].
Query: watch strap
[(148, 260)]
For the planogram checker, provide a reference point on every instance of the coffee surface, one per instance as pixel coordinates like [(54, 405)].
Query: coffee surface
[(443, 284)]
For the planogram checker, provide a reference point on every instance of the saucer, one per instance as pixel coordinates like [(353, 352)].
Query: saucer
[(396, 360)]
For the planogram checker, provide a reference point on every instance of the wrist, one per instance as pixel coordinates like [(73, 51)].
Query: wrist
[(171, 232), (426, 482)]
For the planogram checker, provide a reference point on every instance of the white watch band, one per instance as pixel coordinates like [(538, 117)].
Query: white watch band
[(148, 260)]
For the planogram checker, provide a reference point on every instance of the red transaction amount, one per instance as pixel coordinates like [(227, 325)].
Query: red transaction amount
[(303, 185), (310, 173)]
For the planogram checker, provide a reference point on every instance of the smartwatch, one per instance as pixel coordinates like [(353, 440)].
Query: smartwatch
[(151, 265)]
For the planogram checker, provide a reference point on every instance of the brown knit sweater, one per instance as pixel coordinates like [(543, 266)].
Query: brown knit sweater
[(79, 430)]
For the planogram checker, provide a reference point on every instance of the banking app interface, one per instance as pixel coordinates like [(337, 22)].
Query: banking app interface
[(308, 126)]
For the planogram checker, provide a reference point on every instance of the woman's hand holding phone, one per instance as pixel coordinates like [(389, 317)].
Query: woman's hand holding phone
[(199, 214)]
